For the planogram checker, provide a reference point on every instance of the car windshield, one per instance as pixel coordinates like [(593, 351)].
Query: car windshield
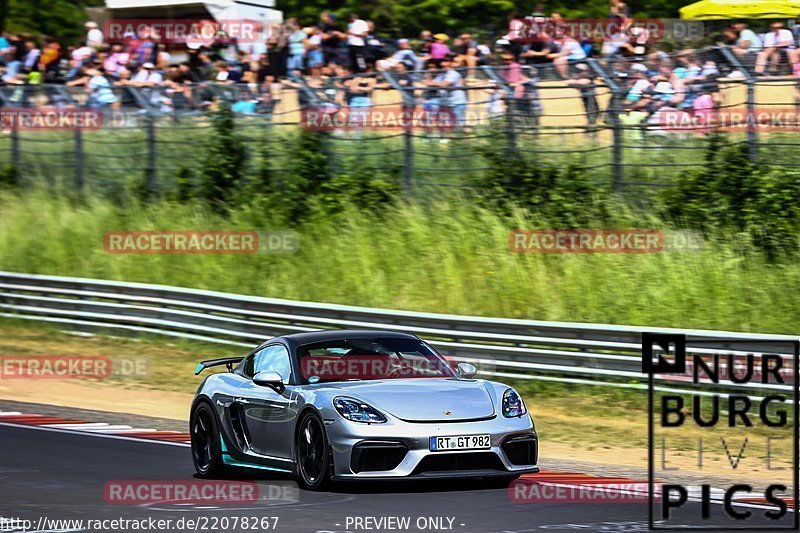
[(371, 359)]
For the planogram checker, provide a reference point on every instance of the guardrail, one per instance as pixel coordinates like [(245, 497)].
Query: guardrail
[(597, 354)]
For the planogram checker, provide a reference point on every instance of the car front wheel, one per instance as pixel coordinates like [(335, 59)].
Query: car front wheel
[(313, 461)]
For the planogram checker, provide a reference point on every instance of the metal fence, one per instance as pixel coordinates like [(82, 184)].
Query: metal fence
[(578, 353), (586, 121)]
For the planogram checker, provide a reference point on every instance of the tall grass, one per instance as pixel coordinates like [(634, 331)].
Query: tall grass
[(446, 256)]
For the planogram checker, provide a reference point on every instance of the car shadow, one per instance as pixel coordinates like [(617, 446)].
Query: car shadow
[(242, 474), (417, 485), (367, 486)]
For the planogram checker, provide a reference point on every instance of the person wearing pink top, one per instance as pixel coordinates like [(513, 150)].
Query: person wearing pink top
[(512, 73), (438, 49), (115, 59), (703, 107)]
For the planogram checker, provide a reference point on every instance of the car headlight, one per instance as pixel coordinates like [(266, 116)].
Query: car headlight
[(357, 411), (512, 404)]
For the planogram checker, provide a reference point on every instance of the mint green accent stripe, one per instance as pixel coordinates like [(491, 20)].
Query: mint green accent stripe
[(228, 460)]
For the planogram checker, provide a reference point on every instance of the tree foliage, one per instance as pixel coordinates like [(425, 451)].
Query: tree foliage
[(489, 17), (62, 19)]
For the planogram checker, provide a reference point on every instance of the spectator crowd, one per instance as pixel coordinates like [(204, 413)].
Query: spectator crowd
[(341, 62)]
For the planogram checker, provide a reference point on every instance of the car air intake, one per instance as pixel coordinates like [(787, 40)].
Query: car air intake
[(459, 461), (376, 456), (521, 449)]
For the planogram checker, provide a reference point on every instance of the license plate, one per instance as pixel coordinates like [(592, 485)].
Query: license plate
[(461, 442)]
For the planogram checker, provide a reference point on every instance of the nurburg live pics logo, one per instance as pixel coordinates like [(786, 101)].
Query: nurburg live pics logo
[(666, 354)]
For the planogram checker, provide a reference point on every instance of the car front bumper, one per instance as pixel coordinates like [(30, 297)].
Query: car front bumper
[(399, 449)]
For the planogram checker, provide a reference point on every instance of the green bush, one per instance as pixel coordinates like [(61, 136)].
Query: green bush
[(362, 187), (225, 163), (732, 195), (184, 190), (310, 172), (773, 215), (264, 182), (8, 177), (565, 197)]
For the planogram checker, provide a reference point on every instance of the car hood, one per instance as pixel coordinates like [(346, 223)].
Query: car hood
[(424, 400)]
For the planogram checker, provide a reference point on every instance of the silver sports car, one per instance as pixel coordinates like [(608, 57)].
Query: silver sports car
[(348, 405)]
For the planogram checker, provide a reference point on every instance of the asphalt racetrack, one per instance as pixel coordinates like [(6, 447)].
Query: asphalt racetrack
[(55, 475)]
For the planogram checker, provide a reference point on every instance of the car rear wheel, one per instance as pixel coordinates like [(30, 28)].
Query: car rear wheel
[(206, 449), (313, 460)]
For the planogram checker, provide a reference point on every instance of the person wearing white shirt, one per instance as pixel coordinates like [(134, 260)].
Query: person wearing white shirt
[(94, 37), (147, 76), (778, 43), (32, 54), (256, 45), (357, 32), (140, 76), (569, 50), (747, 42)]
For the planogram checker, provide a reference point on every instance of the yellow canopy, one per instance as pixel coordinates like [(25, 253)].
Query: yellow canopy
[(741, 9)]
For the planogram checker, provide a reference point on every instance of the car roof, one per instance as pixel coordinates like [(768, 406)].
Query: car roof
[(300, 339)]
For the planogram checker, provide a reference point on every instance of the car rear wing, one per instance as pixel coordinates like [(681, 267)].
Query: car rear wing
[(227, 361)]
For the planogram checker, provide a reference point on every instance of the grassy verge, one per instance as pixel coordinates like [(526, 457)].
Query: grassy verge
[(442, 257), (162, 365)]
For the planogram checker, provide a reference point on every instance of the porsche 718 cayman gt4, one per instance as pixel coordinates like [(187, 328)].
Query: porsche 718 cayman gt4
[(348, 405)]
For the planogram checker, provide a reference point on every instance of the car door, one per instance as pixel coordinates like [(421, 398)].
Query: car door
[(267, 412)]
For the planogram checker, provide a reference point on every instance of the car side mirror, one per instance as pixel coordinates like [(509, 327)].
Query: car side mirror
[(466, 371), (271, 379)]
